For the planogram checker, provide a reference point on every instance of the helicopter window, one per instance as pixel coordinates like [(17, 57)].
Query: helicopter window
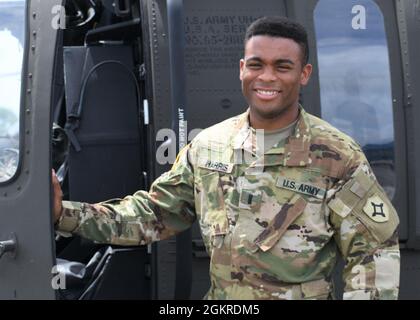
[(355, 79), (12, 39)]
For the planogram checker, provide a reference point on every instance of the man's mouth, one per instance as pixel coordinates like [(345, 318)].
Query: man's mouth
[(266, 94)]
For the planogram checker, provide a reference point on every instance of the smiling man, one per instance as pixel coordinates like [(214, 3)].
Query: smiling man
[(272, 72), (274, 212)]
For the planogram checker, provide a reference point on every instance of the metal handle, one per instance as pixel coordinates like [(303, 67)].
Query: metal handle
[(8, 246)]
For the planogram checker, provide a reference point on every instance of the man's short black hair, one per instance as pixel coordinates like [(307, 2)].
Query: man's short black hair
[(281, 27)]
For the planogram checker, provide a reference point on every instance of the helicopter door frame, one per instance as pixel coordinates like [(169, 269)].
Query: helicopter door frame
[(26, 200)]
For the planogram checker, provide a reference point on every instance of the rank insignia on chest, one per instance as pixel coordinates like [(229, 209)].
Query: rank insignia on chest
[(250, 199), (301, 187), (376, 209)]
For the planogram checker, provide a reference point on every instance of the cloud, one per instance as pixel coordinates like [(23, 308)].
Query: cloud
[(11, 55)]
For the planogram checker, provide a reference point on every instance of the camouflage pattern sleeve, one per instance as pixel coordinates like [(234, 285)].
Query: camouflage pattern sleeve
[(167, 209), (365, 224)]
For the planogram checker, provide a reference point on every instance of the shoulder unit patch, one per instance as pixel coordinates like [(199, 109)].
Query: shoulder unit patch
[(376, 209)]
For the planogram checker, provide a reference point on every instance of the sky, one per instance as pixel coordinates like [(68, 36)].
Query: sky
[(354, 71), (11, 54)]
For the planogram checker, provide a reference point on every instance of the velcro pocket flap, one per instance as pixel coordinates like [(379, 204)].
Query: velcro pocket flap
[(352, 192), (316, 289)]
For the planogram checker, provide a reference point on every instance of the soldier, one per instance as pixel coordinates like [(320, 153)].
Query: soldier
[(274, 212)]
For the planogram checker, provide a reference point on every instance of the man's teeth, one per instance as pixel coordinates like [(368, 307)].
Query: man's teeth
[(267, 92)]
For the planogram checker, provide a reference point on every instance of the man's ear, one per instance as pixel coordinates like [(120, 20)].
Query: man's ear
[(241, 68), (306, 74)]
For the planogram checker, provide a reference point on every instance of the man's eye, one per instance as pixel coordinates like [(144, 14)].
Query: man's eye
[(283, 68), (254, 65)]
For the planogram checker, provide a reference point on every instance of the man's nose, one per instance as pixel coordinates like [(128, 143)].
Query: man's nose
[(268, 74)]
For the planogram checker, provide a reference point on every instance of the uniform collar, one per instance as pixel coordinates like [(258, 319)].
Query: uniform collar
[(242, 131), (298, 144), (295, 152)]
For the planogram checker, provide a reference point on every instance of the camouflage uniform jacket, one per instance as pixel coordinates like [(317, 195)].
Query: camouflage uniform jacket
[(272, 225)]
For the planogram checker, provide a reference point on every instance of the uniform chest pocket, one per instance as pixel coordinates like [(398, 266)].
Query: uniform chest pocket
[(308, 190), (288, 213)]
